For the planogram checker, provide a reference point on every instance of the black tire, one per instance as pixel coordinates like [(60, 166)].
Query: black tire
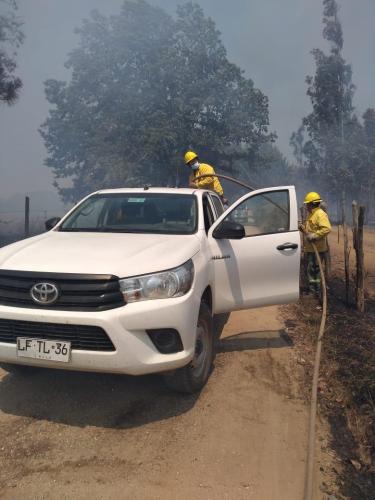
[(19, 370), (192, 377), (219, 322)]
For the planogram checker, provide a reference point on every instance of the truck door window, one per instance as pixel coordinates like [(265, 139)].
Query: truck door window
[(207, 214), (218, 205), (263, 213)]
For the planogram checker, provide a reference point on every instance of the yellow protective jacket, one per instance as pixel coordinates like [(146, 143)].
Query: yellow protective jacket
[(211, 183), (318, 223)]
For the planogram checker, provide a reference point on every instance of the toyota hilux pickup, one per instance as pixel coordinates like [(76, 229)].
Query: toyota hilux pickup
[(130, 281)]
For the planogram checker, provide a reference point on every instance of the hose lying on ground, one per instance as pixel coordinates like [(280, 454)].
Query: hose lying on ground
[(314, 393)]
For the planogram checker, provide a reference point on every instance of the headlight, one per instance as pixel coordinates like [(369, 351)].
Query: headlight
[(173, 283)]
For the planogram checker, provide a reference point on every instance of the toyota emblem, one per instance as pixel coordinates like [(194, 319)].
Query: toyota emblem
[(44, 293)]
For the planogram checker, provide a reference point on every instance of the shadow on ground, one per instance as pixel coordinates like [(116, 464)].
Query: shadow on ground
[(246, 341), (87, 399)]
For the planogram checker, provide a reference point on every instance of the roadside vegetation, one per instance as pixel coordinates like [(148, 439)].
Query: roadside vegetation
[(347, 379)]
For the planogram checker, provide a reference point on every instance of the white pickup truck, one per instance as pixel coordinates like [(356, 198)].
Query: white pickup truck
[(129, 281)]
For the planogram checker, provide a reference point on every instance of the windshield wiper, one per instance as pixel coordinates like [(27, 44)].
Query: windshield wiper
[(124, 231), (80, 230), (99, 230)]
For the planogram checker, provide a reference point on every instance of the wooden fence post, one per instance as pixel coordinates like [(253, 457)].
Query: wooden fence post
[(355, 223), (27, 216), (360, 278), (346, 248)]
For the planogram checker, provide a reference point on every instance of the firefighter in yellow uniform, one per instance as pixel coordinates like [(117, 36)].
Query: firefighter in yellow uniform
[(197, 169), (315, 229)]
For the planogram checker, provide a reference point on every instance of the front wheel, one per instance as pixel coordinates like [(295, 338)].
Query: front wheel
[(192, 377), (219, 322)]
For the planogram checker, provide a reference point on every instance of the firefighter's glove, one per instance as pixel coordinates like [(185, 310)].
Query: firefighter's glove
[(312, 237)]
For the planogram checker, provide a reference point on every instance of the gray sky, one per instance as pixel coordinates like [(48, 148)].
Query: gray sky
[(270, 39)]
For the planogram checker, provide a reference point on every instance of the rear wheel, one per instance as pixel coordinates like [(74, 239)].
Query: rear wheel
[(20, 370), (192, 377)]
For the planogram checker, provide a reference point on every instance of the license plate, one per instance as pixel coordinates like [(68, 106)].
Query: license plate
[(51, 350)]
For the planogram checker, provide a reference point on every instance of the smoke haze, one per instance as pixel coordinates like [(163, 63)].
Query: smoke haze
[(271, 41)]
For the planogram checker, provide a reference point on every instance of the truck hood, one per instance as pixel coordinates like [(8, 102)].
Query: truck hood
[(95, 253)]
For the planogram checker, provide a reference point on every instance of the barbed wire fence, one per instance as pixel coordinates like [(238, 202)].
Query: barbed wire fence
[(25, 221)]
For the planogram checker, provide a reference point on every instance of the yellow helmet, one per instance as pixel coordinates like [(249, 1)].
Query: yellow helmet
[(312, 197), (190, 155)]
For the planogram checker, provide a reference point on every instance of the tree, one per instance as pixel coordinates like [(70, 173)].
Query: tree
[(369, 126), (326, 151), (271, 168), (368, 165), (11, 38), (297, 142), (146, 87)]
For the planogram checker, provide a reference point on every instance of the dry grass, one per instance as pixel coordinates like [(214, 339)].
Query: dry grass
[(346, 385)]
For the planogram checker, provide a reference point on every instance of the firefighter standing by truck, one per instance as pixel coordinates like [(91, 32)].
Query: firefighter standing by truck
[(315, 229)]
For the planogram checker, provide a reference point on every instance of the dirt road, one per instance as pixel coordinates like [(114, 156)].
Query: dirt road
[(85, 436)]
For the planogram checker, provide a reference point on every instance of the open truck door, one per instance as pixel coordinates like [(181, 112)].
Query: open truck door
[(255, 247)]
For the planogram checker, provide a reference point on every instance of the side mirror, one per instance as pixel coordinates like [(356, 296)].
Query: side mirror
[(229, 230), (51, 223)]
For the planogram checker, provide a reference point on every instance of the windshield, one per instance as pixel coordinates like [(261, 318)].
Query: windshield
[(134, 213)]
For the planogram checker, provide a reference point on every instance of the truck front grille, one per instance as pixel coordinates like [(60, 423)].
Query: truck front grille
[(83, 337), (77, 292)]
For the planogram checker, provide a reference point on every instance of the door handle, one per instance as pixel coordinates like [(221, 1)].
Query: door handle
[(287, 246)]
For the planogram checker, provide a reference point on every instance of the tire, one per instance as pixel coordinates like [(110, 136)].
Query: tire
[(19, 370), (219, 322), (193, 377)]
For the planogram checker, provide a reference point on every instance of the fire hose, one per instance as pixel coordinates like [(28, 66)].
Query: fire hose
[(310, 458), (314, 392), (243, 184)]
